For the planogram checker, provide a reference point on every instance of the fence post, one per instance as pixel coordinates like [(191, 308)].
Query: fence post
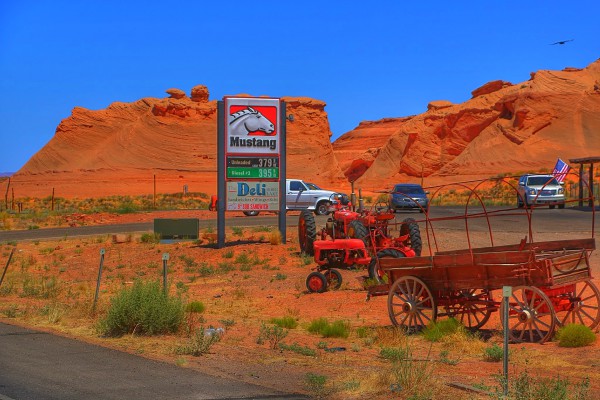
[(6, 267), (165, 258), (506, 294), (99, 278)]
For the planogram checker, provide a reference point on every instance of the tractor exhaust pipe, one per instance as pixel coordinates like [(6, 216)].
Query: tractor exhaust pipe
[(361, 204)]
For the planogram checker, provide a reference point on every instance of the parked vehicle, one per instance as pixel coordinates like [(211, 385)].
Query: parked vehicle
[(540, 189), (408, 196), (301, 195)]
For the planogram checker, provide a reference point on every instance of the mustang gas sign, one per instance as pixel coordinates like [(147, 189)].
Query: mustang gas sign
[(252, 126)]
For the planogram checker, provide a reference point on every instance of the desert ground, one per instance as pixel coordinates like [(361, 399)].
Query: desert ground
[(50, 286)]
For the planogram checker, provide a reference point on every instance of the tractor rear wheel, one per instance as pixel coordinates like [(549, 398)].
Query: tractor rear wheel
[(307, 232), (357, 230), (375, 272), (411, 228)]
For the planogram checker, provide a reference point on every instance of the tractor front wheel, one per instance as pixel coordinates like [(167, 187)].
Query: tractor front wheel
[(375, 272), (316, 282), (307, 232), (334, 278)]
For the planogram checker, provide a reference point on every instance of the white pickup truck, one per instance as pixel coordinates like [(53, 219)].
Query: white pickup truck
[(301, 195)]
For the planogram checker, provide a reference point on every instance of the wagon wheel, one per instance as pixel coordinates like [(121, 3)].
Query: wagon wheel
[(316, 282), (531, 315), (375, 271), (334, 278), (583, 307), (470, 311), (411, 228), (307, 232), (411, 304)]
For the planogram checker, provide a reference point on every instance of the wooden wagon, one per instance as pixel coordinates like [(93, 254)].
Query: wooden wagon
[(551, 283)]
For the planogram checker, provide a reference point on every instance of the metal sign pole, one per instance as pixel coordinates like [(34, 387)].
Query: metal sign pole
[(165, 258), (282, 171), (99, 278), (506, 294), (221, 174)]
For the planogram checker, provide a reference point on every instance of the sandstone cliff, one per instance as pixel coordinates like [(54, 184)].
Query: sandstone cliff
[(503, 128), (121, 149)]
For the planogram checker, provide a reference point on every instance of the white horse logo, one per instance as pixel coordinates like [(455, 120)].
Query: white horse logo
[(249, 120)]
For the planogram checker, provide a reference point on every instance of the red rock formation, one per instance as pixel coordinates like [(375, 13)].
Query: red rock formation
[(504, 128), (119, 150)]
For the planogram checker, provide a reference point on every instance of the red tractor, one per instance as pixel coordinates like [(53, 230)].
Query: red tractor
[(351, 238)]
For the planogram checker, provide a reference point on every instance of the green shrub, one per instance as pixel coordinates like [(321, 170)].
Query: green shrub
[(494, 353), (195, 307), (575, 335), (435, 331), (150, 238), (288, 322), (273, 334), (142, 309), (393, 353), (198, 344), (316, 384), (296, 348), (526, 387), (337, 329), (317, 325)]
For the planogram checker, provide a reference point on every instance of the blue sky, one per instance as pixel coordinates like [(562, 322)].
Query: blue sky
[(366, 60)]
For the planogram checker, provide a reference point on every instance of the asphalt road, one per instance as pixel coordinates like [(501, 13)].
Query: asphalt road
[(542, 220), (36, 365)]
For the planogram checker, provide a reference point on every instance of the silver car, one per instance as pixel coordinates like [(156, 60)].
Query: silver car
[(540, 189)]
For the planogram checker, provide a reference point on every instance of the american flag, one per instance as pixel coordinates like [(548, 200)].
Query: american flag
[(561, 169)]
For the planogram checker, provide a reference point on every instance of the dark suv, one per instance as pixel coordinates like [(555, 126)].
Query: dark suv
[(540, 189), (408, 195)]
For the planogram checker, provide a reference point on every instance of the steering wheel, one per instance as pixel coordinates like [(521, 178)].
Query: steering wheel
[(381, 207)]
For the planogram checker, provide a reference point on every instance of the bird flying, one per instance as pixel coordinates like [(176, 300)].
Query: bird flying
[(561, 42)]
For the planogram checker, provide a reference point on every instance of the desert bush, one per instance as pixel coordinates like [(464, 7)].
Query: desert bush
[(275, 237), (336, 329), (272, 334), (493, 353), (526, 387), (195, 307), (317, 385), (145, 309), (287, 322), (393, 353), (296, 348), (150, 238), (435, 331), (237, 231), (575, 335), (415, 378), (199, 343)]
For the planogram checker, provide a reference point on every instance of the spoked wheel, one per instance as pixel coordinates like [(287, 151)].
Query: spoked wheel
[(411, 228), (531, 316), (381, 207), (583, 307), (375, 271), (334, 278), (307, 232), (411, 304), (316, 282), (473, 308)]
